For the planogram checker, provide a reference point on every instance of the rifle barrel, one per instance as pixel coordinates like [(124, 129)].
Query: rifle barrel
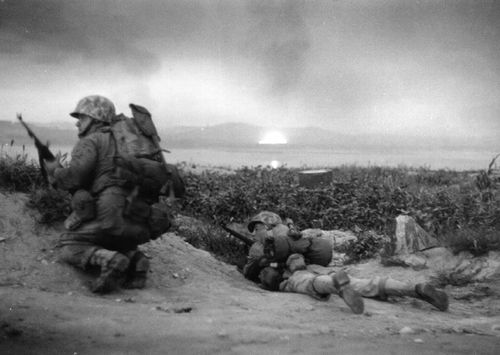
[(44, 152), (243, 238)]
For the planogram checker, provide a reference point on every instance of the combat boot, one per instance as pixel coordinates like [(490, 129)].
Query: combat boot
[(429, 293), (351, 297), (112, 274), (138, 270)]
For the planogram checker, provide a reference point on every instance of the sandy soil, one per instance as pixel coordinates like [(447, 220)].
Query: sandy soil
[(195, 304)]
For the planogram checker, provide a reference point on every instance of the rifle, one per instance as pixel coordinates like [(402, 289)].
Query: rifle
[(175, 186), (44, 152), (248, 241)]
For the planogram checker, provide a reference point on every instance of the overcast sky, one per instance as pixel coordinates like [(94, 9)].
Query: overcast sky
[(380, 66)]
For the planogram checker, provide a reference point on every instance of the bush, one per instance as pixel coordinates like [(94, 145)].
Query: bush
[(23, 175), (53, 205), (368, 198), (451, 205), (368, 245), (442, 202), (476, 241), (19, 174), (212, 239)]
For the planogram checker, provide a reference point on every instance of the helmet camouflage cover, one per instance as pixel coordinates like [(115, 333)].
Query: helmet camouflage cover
[(270, 219), (98, 107)]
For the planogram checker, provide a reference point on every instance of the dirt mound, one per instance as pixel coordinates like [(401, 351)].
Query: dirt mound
[(29, 256), (194, 303)]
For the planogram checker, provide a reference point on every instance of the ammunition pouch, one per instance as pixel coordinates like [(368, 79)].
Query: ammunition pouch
[(157, 215), (159, 219), (270, 278), (83, 209), (136, 209), (149, 175)]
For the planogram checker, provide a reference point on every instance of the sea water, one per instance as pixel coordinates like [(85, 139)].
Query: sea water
[(303, 157)]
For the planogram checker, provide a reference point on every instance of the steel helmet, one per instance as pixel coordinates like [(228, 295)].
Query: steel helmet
[(270, 219), (95, 106)]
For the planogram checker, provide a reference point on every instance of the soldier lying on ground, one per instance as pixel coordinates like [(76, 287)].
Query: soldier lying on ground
[(277, 260), (108, 221)]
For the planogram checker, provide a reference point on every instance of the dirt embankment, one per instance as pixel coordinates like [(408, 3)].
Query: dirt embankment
[(196, 304)]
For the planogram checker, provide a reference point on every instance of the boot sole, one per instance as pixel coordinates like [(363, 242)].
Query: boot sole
[(353, 299), (438, 299), (111, 280)]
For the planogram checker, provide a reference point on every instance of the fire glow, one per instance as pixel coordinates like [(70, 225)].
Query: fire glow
[(273, 137)]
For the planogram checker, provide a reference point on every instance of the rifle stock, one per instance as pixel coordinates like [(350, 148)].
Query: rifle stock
[(243, 238), (44, 152)]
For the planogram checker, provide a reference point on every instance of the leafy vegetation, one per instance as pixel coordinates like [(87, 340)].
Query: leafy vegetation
[(18, 173), (53, 205), (462, 209), (367, 245), (450, 205), (443, 202)]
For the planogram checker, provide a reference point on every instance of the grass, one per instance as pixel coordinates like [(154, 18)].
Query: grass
[(462, 209), (17, 173), (450, 205), (21, 174)]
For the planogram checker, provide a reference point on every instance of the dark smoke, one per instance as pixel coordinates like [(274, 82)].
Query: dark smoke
[(279, 40)]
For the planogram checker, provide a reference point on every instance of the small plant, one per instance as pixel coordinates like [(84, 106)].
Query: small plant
[(367, 246), (476, 241), (53, 205), (213, 239), (19, 174)]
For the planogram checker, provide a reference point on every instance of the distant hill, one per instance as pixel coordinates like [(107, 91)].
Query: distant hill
[(14, 131), (245, 135), (241, 135)]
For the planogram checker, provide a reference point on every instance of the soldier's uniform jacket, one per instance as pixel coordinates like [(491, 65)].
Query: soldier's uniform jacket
[(92, 168)]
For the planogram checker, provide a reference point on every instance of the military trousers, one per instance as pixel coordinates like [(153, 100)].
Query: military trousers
[(321, 286)]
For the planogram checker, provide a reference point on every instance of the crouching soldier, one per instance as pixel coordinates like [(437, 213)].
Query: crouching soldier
[(281, 260), (110, 219)]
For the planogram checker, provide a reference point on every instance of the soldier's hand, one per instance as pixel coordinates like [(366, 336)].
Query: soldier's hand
[(295, 235), (50, 167), (263, 262)]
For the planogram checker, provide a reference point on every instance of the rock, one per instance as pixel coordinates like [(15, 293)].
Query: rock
[(406, 330), (222, 334), (440, 258), (410, 237), (409, 244), (464, 266), (477, 268)]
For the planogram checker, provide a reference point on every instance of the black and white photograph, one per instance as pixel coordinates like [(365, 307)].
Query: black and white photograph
[(249, 177)]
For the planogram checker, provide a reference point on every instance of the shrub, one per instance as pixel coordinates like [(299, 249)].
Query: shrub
[(19, 174), (23, 175), (212, 239), (450, 205), (369, 198), (443, 202), (367, 246), (476, 241), (53, 205)]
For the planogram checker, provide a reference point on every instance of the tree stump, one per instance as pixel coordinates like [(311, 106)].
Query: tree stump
[(315, 178)]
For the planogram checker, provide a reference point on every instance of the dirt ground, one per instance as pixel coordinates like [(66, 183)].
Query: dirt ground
[(195, 304)]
